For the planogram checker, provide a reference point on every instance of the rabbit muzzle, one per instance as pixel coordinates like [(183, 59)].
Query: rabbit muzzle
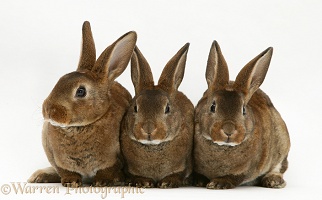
[(149, 133), (55, 114), (148, 128), (229, 129), (227, 133)]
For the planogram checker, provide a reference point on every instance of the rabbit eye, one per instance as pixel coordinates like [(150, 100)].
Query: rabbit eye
[(213, 107), (244, 110), (135, 109), (167, 109), (81, 92)]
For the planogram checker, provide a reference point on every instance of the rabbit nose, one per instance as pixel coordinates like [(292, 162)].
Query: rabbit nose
[(45, 109), (228, 134), (229, 128), (48, 110), (55, 112), (148, 128)]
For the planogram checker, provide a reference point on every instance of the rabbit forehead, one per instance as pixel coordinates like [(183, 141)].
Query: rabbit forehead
[(228, 102), (76, 76), (152, 99), (227, 96)]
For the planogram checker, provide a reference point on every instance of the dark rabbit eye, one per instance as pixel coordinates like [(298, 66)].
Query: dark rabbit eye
[(135, 109), (81, 92), (213, 107), (244, 110), (167, 109)]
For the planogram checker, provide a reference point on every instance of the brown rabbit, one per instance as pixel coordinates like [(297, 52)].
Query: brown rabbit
[(240, 138), (83, 115), (157, 130)]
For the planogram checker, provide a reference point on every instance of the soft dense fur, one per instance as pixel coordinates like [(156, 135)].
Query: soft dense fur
[(81, 132), (157, 131), (240, 138)]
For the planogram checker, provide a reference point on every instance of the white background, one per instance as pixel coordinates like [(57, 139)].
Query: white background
[(40, 42)]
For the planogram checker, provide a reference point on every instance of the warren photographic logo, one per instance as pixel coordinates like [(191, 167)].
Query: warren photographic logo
[(17, 188)]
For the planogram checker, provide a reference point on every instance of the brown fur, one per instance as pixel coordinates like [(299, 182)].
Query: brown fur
[(81, 134), (231, 148), (157, 130)]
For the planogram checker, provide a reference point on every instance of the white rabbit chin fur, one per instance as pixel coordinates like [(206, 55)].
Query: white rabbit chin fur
[(150, 142), (220, 143), (226, 144), (54, 123), (64, 125)]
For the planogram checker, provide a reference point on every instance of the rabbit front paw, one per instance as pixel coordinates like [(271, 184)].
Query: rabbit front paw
[(273, 181), (220, 184), (101, 182), (170, 182), (47, 175), (69, 179), (143, 182), (111, 176)]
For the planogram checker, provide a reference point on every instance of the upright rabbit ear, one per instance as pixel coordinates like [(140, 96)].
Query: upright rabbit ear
[(253, 74), (217, 74), (115, 58), (173, 72), (141, 74), (88, 52)]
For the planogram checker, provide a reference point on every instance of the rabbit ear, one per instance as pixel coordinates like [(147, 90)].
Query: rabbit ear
[(173, 72), (217, 74), (253, 74), (88, 52), (140, 72), (115, 58)]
